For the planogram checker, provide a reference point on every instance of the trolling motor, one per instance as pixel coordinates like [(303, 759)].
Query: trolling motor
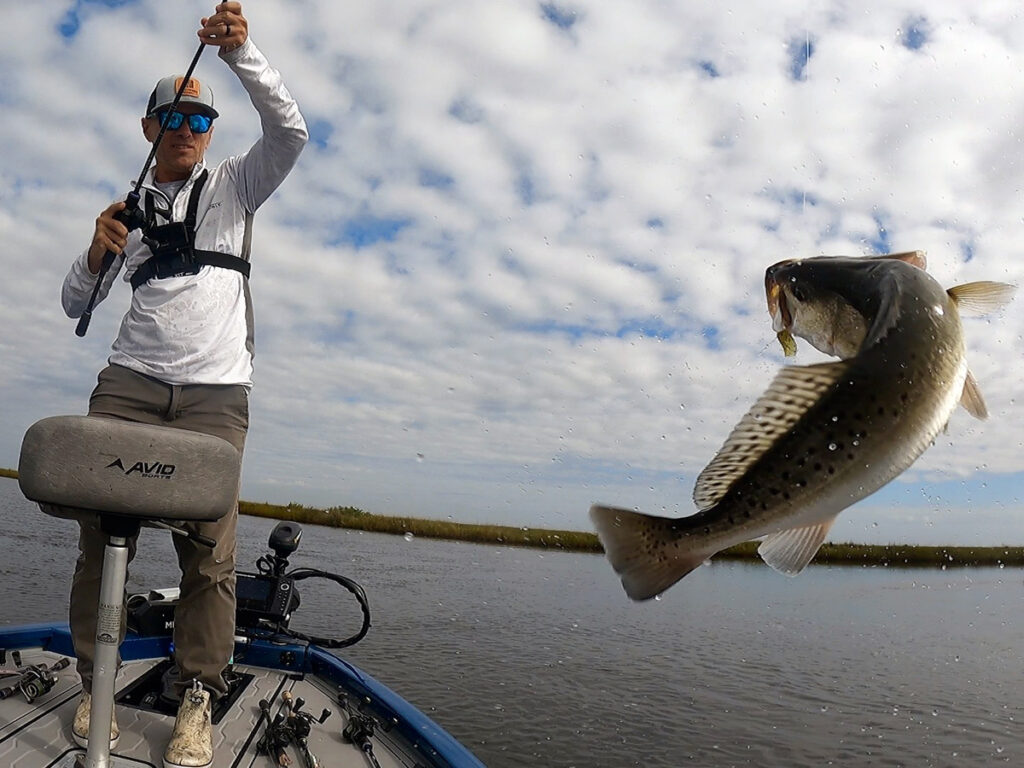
[(267, 599), (128, 474), (131, 216)]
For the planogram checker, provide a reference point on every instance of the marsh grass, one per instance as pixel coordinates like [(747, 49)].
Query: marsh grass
[(895, 555), (873, 555), (351, 517)]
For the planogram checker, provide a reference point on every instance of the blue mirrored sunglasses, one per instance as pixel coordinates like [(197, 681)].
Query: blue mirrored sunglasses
[(196, 123)]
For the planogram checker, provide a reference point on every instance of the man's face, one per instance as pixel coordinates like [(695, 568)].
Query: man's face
[(179, 149)]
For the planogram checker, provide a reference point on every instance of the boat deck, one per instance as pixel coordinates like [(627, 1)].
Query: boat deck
[(38, 735)]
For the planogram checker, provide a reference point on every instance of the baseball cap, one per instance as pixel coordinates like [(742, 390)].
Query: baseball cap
[(195, 93)]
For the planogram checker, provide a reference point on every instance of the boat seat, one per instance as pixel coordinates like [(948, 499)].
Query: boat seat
[(75, 464)]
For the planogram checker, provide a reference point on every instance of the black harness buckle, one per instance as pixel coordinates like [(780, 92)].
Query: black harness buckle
[(173, 255), (173, 245)]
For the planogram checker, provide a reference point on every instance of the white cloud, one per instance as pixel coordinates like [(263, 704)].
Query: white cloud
[(550, 192)]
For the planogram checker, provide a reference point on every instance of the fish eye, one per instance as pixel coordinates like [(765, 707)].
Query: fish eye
[(798, 292)]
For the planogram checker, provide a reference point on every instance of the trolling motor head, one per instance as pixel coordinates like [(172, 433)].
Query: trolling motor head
[(284, 540)]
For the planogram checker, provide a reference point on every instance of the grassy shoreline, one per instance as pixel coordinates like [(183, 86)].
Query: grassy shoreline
[(865, 555)]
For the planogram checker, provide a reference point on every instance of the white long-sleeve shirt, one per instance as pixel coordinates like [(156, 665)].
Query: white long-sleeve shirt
[(193, 329)]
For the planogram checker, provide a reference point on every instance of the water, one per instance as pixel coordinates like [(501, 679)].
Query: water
[(538, 659)]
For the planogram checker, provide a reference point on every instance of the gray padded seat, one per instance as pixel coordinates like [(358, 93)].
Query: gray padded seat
[(71, 464)]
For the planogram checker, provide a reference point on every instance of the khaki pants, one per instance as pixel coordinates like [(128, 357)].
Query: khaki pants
[(204, 619)]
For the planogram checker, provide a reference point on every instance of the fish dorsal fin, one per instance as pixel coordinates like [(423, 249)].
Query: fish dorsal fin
[(982, 297), (972, 400), (790, 551), (795, 389), (914, 258)]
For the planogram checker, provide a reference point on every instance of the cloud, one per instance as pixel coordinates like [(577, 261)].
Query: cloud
[(519, 267)]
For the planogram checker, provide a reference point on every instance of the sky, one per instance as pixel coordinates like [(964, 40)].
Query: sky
[(519, 267)]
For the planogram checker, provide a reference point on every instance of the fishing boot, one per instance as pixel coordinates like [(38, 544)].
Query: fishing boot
[(191, 744), (80, 728)]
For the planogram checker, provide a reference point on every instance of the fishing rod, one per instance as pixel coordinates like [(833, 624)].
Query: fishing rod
[(291, 726), (359, 729), (130, 215)]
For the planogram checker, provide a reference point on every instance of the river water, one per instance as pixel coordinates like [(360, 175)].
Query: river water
[(537, 658)]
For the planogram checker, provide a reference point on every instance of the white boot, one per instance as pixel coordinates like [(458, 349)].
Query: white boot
[(191, 744), (80, 729)]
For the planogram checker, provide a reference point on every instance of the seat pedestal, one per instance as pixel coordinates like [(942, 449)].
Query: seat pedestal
[(108, 633)]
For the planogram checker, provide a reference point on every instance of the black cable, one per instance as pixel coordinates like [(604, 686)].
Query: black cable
[(300, 574)]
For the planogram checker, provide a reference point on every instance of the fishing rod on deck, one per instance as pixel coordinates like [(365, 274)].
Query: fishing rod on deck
[(130, 215)]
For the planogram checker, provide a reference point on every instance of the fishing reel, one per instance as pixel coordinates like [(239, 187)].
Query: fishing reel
[(34, 681), (291, 726), (131, 215)]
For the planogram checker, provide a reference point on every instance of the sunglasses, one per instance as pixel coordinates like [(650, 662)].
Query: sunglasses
[(196, 123)]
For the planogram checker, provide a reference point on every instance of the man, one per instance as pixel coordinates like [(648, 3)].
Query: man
[(183, 355)]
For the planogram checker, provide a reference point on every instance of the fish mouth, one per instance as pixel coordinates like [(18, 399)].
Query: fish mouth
[(778, 308)]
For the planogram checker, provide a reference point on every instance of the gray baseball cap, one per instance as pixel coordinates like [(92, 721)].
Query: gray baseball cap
[(195, 93)]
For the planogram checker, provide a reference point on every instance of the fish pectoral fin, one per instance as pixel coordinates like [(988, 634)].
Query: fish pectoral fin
[(972, 400), (982, 297), (790, 551), (649, 553)]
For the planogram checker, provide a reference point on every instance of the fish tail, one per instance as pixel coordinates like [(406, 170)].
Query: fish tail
[(649, 553)]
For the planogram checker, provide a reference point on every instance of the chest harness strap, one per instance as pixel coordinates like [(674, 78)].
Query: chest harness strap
[(173, 244)]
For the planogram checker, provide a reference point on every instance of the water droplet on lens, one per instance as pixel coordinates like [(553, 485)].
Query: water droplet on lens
[(832, 446)]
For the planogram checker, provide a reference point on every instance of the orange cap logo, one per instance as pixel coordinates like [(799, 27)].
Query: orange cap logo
[(191, 88)]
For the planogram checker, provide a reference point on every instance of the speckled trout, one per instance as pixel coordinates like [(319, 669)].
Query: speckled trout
[(822, 436)]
